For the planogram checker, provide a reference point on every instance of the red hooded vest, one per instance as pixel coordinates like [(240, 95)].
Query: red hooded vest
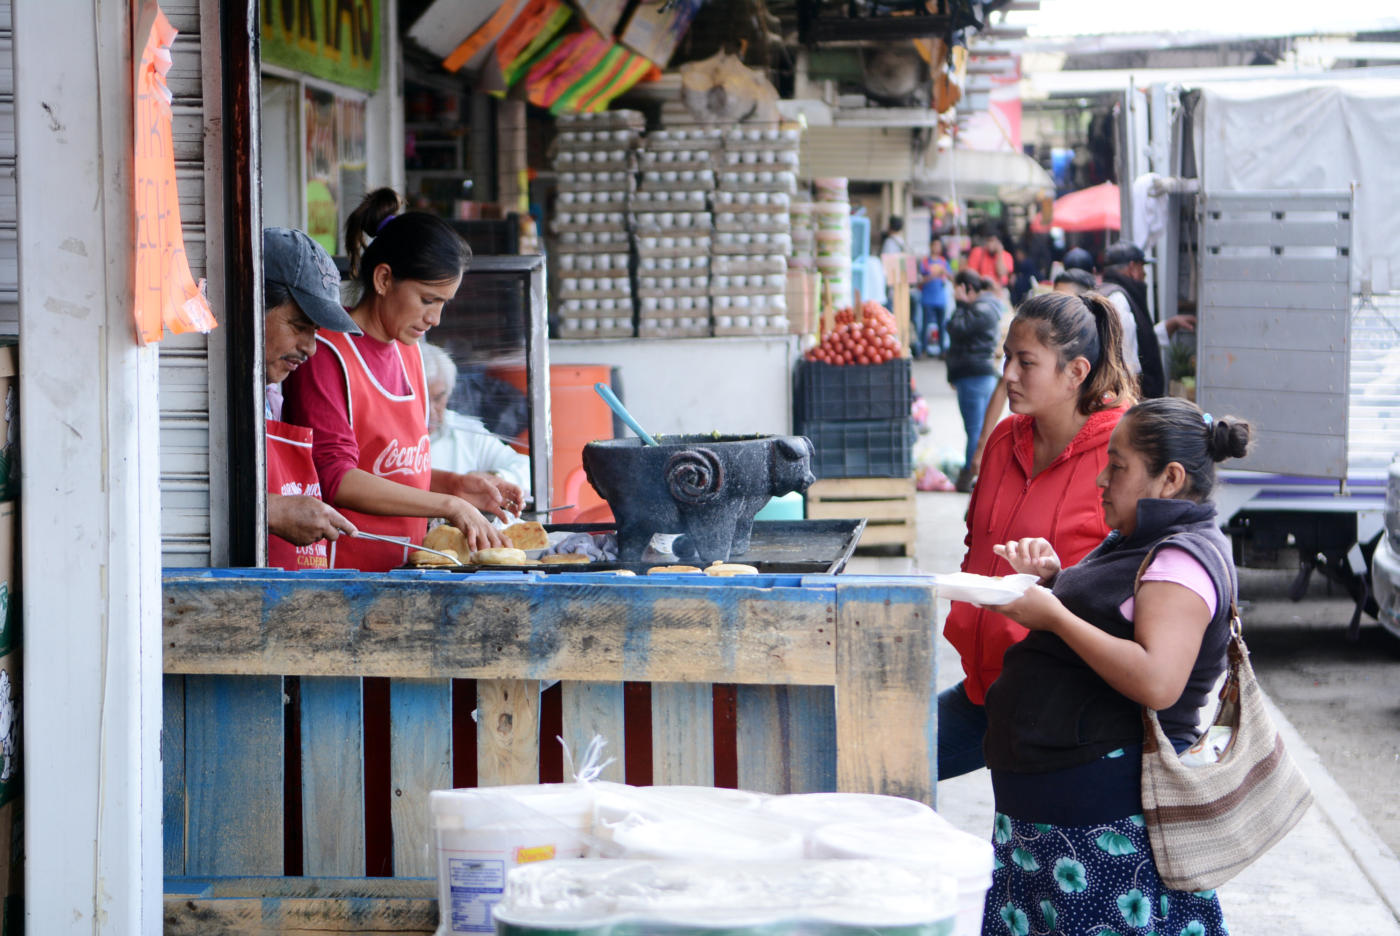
[(1061, 504)]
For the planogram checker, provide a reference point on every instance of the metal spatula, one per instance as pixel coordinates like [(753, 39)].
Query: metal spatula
[(456, 560)]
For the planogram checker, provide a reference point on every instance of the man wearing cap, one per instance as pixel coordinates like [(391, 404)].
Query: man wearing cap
[(301, 292), (1125, 285)]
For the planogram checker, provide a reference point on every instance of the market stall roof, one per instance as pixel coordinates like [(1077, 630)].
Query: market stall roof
[(1096, 208), (1004, 175)]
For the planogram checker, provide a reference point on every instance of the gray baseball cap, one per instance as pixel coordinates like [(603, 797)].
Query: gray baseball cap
[(294, 260)]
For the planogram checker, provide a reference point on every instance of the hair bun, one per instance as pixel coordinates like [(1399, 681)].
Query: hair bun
[(1229, 438)]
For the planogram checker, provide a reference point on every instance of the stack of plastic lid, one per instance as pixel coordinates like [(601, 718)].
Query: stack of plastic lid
[(674, 225), (595, 162), (693, 898), (929, 840), (753, 230), (831, 216), (804, 242)]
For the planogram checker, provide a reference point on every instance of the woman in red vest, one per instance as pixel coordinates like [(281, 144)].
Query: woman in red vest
[(1067, 387), (366, 398)]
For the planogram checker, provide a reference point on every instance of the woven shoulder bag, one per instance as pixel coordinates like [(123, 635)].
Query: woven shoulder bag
[(1208, 823)]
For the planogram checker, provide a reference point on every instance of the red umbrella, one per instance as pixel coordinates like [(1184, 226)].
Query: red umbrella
[(1092, 209)]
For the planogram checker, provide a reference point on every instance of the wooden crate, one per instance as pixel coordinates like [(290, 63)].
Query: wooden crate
[(832, 679), (887, 505)]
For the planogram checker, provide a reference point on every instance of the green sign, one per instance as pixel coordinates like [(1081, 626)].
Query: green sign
[(336, 40)]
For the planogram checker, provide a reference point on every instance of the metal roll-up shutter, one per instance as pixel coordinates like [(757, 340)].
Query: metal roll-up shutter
[(9, 233), (867, 154), (187, 435)]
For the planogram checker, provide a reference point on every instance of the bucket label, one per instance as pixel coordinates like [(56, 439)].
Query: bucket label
[(476, 886), (538, 853)]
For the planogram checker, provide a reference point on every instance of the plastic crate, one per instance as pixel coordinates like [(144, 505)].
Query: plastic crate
[(831, 392), (870, 448)]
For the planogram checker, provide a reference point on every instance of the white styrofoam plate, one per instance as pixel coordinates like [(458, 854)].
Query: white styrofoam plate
[(983, 589)]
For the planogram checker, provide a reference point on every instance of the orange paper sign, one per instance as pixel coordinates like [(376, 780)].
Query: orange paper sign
[(166, 293)]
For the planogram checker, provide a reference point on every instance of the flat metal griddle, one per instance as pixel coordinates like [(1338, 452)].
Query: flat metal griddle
[(802, 547)]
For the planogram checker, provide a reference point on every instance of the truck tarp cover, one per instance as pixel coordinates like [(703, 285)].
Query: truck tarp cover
[(1312, 135)]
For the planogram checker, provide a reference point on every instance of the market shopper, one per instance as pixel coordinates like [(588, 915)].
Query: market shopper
[(460, 443), (990, 260), (935, 278), (1067, 388), (973, 349), (301, 293), (366, 398), (1142, 621)]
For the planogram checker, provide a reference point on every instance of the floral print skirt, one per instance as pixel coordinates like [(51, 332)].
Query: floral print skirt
[(1095, 880)]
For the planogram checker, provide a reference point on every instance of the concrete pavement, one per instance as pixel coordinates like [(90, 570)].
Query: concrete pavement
[(1330, 876)]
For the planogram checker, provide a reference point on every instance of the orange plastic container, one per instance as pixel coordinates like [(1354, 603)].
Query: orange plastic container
[(578, 416)]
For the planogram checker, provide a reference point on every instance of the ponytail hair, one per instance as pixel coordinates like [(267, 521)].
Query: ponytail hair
[(1084, 326), (415, 245), (1170, 429)]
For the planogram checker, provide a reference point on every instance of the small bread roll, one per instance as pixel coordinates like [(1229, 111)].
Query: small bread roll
[(447, 537), (503, 555), (727, 569), (566, 559), (527, 534), (664, 570), (424, 558)]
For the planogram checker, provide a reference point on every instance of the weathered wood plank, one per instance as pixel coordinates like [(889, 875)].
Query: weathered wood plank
[(786, 737), (172, 759), (886, 707), (420, 760), (233, 773), (332, 776), (594, 708), (683, 734), (300, 916), (829, 489), (507, 731), (436, 625)]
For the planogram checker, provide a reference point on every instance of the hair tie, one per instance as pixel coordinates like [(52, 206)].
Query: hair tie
[(384, 222), (1207, 419)]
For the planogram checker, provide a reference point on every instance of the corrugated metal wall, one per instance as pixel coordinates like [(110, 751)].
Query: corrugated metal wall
[(867, 154), (9, 234)]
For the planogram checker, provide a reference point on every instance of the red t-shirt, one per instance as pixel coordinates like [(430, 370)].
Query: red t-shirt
[(996, 268)]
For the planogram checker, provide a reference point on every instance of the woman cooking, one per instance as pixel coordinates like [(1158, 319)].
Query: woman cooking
[(366, 399)]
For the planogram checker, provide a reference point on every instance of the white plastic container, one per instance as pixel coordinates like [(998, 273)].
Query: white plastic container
[(482, 833), (810, 812), (931, 840)]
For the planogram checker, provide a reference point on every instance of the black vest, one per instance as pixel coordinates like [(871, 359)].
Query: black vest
[(1048, 709), (1153, 378)]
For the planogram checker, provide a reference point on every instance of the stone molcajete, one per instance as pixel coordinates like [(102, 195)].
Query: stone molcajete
[(707, 487)]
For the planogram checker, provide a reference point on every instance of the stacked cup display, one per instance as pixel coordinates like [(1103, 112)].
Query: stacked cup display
[(673, 225), (831, 218), (595, 161), (804, 239), (753, 230)]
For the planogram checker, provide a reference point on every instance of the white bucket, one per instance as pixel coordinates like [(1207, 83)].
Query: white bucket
[(482, 833), (931, 840)]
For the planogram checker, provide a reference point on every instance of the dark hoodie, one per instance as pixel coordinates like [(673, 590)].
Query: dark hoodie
[(1061, 503)]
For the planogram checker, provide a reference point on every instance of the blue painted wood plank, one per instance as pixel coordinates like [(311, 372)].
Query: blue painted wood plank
[(234, 771), (332, 777), (594, 708), (172, 763), (786, 738), (420, 761)]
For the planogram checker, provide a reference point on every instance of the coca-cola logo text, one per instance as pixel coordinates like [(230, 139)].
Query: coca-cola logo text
[(402, 459)]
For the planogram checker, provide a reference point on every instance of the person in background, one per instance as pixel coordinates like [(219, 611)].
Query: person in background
[(1125, 284), (459, 443), (1067, 388), (935, 276), (893, 242), (990, 261), (1077, 282), (367, 400), (1023, 277), (1143, 621), (973, 330), (1077, 258), (301, 293)]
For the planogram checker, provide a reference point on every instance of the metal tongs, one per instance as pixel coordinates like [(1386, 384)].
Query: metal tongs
[(404, 541)]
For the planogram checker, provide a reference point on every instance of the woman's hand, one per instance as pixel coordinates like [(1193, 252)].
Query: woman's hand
[(488, 493), (1032, 556), (1037, 609), (476, 528)]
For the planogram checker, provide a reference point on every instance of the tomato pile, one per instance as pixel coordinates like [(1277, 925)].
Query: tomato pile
[(872, 341)]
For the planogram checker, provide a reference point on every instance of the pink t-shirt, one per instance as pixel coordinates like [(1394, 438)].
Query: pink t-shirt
[(1178, 566), (316, 398)]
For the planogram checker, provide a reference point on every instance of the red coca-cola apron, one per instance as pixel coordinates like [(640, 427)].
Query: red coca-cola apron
[(392, 432), (291, 471)]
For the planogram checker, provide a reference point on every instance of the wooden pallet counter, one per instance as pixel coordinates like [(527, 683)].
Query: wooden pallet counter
[(835, 690)]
